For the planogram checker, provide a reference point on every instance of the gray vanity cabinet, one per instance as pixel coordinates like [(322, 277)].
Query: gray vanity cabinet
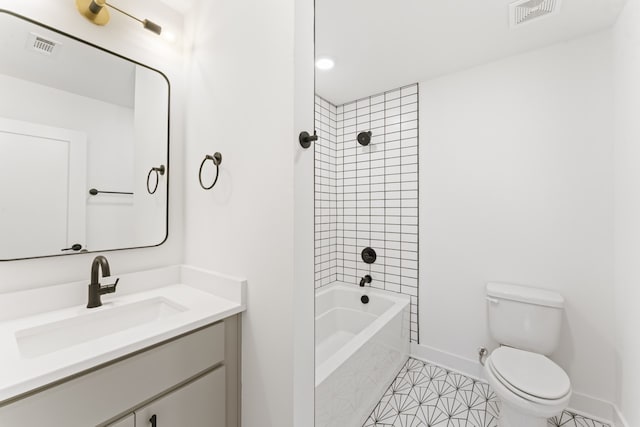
[(200, 403), (191, 380), (128, 421)]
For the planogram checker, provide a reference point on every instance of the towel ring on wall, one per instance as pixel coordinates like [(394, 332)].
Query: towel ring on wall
[(216, 159), (159, 171)]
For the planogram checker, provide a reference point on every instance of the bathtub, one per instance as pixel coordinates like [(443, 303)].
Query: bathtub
[(359, 350)]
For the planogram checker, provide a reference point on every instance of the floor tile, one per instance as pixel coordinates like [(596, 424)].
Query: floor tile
[(426, 395)]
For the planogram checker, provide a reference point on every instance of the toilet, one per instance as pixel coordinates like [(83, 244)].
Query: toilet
[(526, 323)]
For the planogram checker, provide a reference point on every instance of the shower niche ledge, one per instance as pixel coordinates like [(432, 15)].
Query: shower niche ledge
[(167, 336)]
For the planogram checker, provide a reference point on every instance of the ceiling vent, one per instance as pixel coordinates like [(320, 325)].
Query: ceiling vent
[(525, 11), (42, 45)]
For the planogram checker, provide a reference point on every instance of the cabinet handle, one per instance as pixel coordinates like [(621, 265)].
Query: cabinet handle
[(153, 420)]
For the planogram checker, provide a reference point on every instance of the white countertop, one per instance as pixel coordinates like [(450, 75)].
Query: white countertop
[(204, 297)]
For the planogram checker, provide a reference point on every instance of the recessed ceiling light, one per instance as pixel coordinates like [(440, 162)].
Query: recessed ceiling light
[(325, 64)]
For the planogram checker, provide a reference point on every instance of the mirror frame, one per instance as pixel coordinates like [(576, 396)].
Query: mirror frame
[(168, 163)]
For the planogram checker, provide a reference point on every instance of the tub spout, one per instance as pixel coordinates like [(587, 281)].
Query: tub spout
[(365, 279)]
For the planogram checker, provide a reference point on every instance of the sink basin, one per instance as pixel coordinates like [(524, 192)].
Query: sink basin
[(92, 324)]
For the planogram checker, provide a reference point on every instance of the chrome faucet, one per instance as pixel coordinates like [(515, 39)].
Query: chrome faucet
[(365, 279), (96, 290)]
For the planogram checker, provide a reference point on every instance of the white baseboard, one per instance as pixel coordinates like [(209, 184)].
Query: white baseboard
[(618, 419), (583, 404), (592, 407), (468, 367)]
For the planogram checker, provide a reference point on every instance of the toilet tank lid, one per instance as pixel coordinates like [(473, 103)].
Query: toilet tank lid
[(525, 294)]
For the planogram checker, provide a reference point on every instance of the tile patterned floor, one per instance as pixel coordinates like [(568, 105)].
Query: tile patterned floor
[(426, 395)]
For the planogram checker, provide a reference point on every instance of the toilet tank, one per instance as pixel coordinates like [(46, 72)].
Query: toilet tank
[(524, 317)]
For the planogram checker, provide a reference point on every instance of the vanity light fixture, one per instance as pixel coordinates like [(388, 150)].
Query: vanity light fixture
[(96, 12)]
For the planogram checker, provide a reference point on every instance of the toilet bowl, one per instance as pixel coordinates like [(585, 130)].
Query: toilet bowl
[(526, 322), (531, 387)]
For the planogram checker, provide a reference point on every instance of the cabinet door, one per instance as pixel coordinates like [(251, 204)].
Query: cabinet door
[(200, 403), (128, 421)]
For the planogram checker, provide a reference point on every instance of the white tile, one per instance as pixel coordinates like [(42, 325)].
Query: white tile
[(409, 90), (376, 108), (409, 185), (410, 264), (392, 161), (393, 120), (393, 237), (413, 247), (393, 170), (408, 159), (409, 281), (378, 268), (377, 126), (395, 262), (377, 99), (391, 278), (362, 103), (409, 99), (409, 194), (392, 95), (407, 290), (409, 108), (392, 287), (391, 111)]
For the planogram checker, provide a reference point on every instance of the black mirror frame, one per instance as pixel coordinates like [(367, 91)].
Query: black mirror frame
[(166, 234)]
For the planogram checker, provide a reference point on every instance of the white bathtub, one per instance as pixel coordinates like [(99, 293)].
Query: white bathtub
[(359, 350)]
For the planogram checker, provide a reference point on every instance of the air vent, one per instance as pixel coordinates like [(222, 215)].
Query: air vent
[(42, 45), (525, 11)]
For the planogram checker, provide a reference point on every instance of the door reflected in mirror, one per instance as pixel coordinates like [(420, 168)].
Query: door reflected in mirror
[(80, 130)]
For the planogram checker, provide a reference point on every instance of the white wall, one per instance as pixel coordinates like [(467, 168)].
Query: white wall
[(516, 165), (627, 210), (241, 103), (125, 37)]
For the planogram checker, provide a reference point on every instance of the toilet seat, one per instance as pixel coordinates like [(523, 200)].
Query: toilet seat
[(532, 376)]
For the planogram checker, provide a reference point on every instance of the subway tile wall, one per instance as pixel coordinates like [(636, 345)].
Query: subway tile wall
[(326, 225), (371, 191)]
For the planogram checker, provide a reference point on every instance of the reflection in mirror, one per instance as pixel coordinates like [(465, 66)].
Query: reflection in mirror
[(80, 130), (467, 142)]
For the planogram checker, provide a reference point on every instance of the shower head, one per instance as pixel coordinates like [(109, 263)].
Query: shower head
[(364, 138)]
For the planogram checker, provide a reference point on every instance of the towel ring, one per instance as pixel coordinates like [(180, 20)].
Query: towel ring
[(159, 171), (216, 159)]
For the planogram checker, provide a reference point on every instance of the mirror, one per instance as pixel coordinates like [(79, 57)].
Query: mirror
[(84, 146)]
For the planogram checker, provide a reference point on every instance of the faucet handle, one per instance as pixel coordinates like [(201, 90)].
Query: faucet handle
[(109, 289)]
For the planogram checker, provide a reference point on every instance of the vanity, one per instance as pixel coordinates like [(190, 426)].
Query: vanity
[(162, 351), (84, 142)]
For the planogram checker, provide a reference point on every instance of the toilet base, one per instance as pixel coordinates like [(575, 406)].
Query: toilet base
[(513, 417)]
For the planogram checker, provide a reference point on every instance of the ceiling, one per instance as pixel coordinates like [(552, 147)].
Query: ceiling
[(73, 67), (379, 45)]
